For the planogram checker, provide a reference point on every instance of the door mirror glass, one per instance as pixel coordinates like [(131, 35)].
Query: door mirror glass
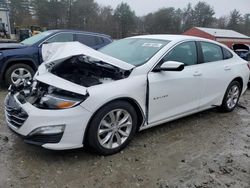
[(170, 66)]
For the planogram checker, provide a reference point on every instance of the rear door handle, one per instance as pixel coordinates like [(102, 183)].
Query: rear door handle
[(197, 73), (226, 68)]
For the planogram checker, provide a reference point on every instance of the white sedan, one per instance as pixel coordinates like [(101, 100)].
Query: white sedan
[(100, 99)]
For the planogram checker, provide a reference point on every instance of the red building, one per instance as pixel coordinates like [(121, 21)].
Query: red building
[(227, 37)]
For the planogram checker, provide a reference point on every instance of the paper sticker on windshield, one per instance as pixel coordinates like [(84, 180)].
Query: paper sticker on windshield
[(153, 45)]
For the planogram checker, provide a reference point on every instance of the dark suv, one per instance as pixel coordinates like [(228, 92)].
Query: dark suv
[(19, 61)]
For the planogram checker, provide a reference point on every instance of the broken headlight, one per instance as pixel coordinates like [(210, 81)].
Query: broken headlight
[(44, 96), (52, 101)]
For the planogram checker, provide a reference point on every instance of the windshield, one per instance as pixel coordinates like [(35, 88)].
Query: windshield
[(135, 51), (34, 39)]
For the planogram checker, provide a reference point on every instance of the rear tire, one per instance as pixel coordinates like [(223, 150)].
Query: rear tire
[(231, 97), (112, 128), (17, 72)]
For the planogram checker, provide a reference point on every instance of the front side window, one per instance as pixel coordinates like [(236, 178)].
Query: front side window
[(211, 52), (62, 37), (185, 53), (36, 38)]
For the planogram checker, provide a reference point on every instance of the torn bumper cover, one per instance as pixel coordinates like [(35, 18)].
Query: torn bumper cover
[(52, 129)]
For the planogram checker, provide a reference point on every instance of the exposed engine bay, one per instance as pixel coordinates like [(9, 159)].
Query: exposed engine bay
[(87, 71), (80, 69)]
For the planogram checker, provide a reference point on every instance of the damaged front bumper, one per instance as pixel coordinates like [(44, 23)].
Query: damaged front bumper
[(40, 126)]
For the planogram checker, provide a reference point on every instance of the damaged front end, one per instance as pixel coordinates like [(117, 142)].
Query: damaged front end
[(62, 80), (44, 96), (28, 112), (46, 111)]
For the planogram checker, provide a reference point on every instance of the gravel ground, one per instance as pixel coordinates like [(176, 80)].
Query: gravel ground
[(209, 149)]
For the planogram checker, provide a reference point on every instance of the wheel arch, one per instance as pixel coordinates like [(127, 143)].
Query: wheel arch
[(224, 106), (133, 102), (240, 80), (11, 62)]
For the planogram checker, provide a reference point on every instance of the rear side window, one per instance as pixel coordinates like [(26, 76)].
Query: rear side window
[(211, 52), (227, 54), (185, 53), (62, 37), (99, 40), (88, 40)]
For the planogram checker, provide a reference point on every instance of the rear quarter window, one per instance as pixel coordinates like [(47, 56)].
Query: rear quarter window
[(211, 52), (226, 53), (88, 40), (99, 40)]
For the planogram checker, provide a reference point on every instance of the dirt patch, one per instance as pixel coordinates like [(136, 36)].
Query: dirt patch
[(209, 149)]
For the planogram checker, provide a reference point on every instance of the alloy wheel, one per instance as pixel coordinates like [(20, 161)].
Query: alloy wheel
[(114, 128), (19, 75), (233, 96)]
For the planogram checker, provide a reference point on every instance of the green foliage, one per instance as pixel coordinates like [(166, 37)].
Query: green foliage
[(235, 20), (166, 20), (246, 24), (125, 18), (121, 22), (203, 15), (20, 12)]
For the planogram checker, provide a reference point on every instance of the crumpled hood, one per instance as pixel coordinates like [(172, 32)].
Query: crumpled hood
[(58, 52), (61, 83), (55, 53), (9, 46)]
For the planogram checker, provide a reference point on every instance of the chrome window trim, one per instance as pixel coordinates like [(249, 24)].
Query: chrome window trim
[(73, 33)]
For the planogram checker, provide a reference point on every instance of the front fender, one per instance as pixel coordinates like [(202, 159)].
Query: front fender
[(132, 87)]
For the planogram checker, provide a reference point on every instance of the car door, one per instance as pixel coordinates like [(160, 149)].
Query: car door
[(173, 93), (216, 69)]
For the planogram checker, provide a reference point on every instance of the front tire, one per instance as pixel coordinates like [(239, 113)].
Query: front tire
[(17, 73), (112, 128), (231, 97)]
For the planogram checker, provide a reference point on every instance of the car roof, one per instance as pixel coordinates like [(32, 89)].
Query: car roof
[(177, 38), (78, 31), (168, 37)]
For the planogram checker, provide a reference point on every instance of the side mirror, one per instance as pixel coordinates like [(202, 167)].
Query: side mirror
[(170, 66)]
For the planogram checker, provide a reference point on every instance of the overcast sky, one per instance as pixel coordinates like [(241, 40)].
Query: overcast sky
[(142, 7)]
